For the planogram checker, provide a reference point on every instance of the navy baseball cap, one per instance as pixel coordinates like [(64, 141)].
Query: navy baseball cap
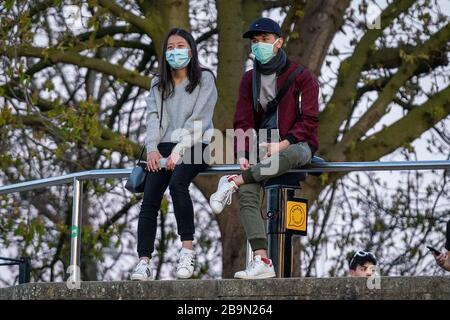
[(263, 25)]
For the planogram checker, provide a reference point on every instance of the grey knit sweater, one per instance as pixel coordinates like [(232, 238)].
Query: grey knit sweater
[(181, 113)]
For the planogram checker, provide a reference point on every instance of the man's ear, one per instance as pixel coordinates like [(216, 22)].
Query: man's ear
[(280, 42)]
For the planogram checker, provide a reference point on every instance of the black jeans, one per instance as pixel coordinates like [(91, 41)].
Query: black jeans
[(156, 184)]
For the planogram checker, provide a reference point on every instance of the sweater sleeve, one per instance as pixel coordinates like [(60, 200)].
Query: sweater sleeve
[(152, 135), (196, 124)]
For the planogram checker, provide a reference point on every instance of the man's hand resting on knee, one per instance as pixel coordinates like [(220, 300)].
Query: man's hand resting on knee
[(274, 147)]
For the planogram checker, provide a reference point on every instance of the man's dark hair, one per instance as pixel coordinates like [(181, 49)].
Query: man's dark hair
[(166, 83), (360, 258), (263, 32)]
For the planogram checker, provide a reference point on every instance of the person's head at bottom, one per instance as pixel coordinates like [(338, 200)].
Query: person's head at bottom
[(362, 264)]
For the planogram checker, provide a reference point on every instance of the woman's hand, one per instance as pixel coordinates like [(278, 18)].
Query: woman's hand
[(153, 161), (172, 161)]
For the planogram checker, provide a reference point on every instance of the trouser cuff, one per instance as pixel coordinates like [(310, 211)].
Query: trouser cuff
[(258, 244), (147, 254), (247, 176), (187, 237)]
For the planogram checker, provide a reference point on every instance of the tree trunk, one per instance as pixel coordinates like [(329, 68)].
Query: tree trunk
[(315, 31), (231, 67), (231, 230), (231, 61), (167, 15)]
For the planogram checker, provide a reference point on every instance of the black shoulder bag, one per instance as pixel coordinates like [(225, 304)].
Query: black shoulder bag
[(136, 180), (269, 120)]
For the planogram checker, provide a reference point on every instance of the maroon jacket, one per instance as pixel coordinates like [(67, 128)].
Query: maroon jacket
[(293, 125)]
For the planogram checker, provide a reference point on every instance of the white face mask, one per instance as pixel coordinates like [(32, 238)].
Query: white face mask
[(263, 51)]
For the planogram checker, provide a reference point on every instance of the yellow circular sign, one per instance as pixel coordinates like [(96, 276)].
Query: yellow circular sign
[(296, 216)]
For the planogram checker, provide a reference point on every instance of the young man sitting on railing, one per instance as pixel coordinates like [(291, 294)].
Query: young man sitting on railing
[(269, 99)]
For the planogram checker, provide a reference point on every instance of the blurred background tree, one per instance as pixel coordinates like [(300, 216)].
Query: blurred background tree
[(73, 78)]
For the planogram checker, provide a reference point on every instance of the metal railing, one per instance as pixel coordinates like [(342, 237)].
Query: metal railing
[(24, 264), (78, 178)]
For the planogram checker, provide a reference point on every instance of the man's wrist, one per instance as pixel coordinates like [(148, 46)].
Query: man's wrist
[(285, 143), (291, 139)]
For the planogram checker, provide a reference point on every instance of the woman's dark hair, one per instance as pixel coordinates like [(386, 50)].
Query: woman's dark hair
[(166, 84)]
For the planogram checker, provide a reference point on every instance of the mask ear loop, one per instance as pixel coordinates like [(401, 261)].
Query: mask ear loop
[(273, 44)]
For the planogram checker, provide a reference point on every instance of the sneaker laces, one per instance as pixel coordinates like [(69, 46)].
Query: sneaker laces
[(227, 196), (186, 260), (141, 267), (252, 265)]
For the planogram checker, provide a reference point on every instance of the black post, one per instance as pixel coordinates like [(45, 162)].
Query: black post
[(288, 255), (281, 228), (24, 270), (279, 238)]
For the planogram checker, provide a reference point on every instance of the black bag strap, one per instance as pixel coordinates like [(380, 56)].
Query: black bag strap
[(161, 109), (140, 156), (272, 105)]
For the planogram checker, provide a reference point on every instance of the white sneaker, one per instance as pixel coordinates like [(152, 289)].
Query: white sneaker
[(143, 271), (223, 195), (186, 263), (257, 269)]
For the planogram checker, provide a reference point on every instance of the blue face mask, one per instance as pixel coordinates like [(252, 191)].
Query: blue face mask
[(263, 51), (178, 58)]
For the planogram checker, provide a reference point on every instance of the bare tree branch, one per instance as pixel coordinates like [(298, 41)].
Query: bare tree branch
[(56, 56), (339, 106), (377, 110), (407, 129), (146, 25)]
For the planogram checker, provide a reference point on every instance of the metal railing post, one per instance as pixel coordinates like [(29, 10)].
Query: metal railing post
[(24, 270), (75, 243)]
